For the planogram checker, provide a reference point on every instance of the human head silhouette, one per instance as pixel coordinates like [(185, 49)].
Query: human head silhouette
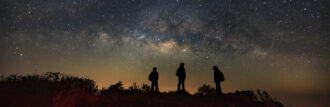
[(154, 69), (181, 64), (215, 67)]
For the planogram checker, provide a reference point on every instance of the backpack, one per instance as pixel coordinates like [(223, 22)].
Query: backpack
[(150, 77), (222, 78)]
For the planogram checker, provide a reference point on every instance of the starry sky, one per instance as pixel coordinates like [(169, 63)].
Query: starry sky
[(281, 46)]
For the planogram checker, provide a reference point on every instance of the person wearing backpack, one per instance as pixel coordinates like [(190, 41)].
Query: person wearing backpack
[(218, 77), (153, 77)]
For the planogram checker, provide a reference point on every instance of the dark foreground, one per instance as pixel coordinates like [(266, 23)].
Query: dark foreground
[(58, 90), (133, 101), (190, 101)]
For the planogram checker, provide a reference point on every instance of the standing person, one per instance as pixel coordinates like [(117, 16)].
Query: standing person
[(181, 73), (218, 77), (153, 77)]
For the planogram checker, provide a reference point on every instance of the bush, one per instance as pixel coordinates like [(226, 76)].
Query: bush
[(146, 87), (48, 82), (118, 89), (114, 89), (45, 89), (264, 96), (206, 90)]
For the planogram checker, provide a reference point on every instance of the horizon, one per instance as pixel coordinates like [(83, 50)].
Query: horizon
[(126, 85)]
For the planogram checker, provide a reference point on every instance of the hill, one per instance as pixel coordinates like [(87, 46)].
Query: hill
[(60, 90)]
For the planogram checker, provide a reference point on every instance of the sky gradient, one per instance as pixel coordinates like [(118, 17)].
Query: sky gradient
[(281, 46)]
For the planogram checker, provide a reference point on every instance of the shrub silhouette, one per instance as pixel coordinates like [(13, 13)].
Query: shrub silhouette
[(49, 88), (206, 90), (145, 87), (48, 81), (264, 96), (114, 89), (134, 89), (118, 89), (261, 96)]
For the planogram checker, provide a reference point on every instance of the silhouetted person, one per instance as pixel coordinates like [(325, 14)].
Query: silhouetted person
[(181, 73), (218, 77), (153, 77)]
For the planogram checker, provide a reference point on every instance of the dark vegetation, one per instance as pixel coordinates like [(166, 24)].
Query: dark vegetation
[(61, 90)]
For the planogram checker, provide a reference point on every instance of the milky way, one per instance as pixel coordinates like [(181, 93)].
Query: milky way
[(282, 46)]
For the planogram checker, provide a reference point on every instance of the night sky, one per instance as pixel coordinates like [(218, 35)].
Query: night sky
[(281, 46)]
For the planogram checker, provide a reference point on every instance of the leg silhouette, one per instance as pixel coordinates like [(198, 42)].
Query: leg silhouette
[(153, 86), (218, 88), (179, 85), (157, 90), (183, 89)]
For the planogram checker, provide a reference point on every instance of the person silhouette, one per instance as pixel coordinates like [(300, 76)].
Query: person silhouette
[(181, 74), (218, 77), (153, 77)]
